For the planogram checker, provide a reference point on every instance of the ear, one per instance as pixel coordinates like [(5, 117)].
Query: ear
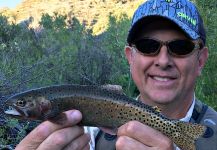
[(128, 54), (202, 58)]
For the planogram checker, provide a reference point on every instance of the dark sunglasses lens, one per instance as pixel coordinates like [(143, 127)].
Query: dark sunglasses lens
[(181, 47), (147, 46)]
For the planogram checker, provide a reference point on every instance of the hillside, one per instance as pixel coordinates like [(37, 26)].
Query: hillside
[(93, 13)]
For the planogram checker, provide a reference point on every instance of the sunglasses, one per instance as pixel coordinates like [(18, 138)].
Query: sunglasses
[(177, 48)]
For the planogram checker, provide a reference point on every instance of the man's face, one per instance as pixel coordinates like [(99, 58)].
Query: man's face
[(164, 79)]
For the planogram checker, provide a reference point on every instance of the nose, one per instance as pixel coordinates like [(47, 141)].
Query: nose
[(163, 59)]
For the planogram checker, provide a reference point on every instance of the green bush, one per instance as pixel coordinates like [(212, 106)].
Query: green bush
[(207, 83)]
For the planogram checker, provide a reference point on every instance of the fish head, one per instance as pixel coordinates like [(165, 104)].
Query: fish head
[(27, 106)]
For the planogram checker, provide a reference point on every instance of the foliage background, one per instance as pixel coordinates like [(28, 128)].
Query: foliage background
[(65, 50)]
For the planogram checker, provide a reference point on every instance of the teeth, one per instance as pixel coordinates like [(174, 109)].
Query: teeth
[(161, 79)]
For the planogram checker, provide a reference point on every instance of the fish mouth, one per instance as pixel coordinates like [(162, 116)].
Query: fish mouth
[(12, 111), (15, 112)]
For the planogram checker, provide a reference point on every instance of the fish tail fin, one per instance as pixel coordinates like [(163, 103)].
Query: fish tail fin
[(192, 130), (188, 134)]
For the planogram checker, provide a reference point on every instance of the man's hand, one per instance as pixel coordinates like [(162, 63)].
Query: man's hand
[(135, 135), (51, 136)]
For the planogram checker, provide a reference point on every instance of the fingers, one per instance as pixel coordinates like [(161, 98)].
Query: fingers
[(143, 134), (59, 139), (81, 142), (40, 133), (127, 143), (87, 147)]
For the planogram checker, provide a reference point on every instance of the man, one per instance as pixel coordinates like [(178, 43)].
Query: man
[(166, 53)]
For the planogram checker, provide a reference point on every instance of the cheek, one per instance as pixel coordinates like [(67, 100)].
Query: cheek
[(139, 67), (189, 70), (140, 63), (45, 106), (136, 66), (33, 113)]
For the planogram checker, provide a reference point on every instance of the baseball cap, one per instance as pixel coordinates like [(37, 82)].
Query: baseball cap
[(181, 12)]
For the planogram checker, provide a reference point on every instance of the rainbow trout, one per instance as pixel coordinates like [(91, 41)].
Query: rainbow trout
[(101, 107)]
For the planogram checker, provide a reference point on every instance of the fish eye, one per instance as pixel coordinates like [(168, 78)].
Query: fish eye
[(21, 103)]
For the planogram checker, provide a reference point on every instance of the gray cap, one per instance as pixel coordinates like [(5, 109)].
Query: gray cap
[(181, 12)]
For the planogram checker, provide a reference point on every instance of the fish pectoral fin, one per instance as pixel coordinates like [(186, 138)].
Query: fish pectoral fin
[(156, 108), (114, 88)]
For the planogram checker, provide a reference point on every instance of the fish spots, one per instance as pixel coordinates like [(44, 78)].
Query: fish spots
[(58, 105), (120, 116), (176, 134), (99, 109)]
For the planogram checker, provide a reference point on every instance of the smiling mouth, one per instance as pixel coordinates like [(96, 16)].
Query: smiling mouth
[(162, 79)]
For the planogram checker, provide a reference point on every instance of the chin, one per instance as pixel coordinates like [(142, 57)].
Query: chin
[(161, 100)]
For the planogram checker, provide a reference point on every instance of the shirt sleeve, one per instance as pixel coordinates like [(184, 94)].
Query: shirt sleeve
[(93, 131)]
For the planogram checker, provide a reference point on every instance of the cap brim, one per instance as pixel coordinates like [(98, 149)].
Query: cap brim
[(142, 22)]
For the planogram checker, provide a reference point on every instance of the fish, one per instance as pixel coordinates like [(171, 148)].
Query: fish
[(100, 107)]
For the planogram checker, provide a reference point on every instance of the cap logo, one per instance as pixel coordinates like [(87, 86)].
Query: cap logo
[(186, 17)]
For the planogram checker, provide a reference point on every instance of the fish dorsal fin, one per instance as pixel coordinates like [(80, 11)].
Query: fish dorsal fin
[(156, 108), (114, 88)]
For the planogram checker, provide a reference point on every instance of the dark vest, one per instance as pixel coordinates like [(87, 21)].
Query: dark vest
[(202, 114)]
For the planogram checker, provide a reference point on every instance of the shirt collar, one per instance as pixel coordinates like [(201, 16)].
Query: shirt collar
[(190, 112)]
